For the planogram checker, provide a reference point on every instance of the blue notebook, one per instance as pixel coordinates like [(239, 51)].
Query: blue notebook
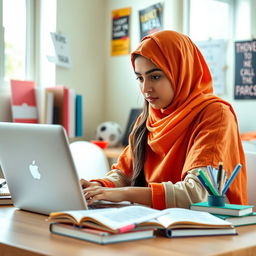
[(79, 115)]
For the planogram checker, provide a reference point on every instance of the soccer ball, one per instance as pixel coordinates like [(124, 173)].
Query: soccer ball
[(110, 132)]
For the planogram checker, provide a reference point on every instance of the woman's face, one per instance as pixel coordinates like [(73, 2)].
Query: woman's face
[(154, 84)]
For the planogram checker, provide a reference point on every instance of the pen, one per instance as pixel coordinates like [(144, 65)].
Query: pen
[(3, 183), (219, 174), (208, 183), (222, 182), (233, 175), (204, 185), (210, 170)]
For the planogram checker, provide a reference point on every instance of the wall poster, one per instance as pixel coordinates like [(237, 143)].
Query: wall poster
[(245, 68), (151, 19), (214, 52), (120, 32)]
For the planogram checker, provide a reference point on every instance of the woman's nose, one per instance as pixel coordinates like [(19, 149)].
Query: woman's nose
[(146, 87)]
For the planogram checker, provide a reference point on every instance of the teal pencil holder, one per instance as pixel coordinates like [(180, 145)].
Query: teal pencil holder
[(216, 200)]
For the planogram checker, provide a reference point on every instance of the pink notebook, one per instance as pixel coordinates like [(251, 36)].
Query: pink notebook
[(23, 101)]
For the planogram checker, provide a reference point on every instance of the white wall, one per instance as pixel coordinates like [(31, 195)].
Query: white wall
[(107, 83), (122, 92), (82, 21)]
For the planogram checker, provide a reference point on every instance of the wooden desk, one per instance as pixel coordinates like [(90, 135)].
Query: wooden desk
[(23, 233)]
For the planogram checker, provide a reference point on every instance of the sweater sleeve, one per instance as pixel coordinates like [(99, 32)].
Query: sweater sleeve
[(181, 194), (114, 178)]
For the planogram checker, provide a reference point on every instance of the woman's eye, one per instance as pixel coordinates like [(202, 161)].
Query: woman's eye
[(139, 78), (155, 77)]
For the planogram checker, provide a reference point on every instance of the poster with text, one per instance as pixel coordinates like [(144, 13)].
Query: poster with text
[(120, 32), (151, 19), (245, 68), (214, 52), (62, 57)]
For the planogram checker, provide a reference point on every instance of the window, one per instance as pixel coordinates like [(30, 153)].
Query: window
[(15, 35), (25, 27), (209, 19), (243, 18), (48, 9)]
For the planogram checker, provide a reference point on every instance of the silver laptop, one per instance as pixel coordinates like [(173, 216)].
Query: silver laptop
[(39, 169)]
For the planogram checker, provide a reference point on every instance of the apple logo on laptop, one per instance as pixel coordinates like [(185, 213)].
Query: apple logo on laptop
[(34, 170)]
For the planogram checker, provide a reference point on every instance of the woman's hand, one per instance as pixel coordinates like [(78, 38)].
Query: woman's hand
[(88, 184), (139, 195)]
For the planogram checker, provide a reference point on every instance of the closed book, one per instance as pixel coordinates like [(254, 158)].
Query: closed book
[(5, 200), (23, 101), (61, 105), (98, 236), (239, 220), (72, 113), (227, 209), (189, 232), (49, 107), (40, 102), (79, 115)]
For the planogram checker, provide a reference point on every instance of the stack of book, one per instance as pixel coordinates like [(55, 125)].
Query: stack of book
[(136, 222), (5, 196), (237, 215), (52, 105)]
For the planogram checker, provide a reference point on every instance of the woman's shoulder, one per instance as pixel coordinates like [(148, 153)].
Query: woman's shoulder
[(218, 110), (218, 107)]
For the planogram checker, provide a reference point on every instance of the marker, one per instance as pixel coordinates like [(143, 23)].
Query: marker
[(219, 174), (208, 183), (204, 185), (230, 180)]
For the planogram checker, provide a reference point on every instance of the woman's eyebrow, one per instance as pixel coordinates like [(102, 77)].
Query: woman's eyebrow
[(149, 71)]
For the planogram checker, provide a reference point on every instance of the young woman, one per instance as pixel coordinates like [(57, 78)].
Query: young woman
[(182, 128)]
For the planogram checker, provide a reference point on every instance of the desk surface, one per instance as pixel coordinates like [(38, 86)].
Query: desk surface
[(24, 233)]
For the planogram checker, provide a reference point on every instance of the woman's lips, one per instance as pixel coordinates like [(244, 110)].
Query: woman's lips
[(151, 99)]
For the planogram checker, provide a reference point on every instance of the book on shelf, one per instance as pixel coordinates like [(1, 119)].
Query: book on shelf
[(79, 115), (227, 209), (98, 236), (121, 220), (64, 100), (23, 101), (49, 108), (60, 104), (40, 102), (239, 220)]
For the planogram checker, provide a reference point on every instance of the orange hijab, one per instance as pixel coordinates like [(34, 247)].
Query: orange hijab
[(172, 147)]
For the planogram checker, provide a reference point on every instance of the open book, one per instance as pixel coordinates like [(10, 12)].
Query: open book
[(119, 220)]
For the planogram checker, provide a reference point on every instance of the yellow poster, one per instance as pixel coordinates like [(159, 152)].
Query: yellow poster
[(120, 32)]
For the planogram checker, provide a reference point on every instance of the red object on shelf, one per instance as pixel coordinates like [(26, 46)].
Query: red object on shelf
[(101, 143)]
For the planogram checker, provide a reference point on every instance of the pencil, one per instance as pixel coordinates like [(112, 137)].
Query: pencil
[(232, 177)]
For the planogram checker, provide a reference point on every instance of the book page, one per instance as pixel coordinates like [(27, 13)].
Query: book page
[(176, 216), (116, 218)]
